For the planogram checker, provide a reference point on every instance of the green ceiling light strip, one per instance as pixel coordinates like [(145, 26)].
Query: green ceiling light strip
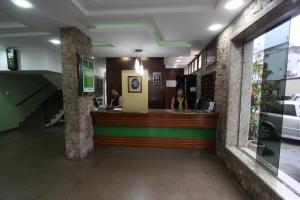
[(101, 43), (120, 26), (148, 27), (174, 43)]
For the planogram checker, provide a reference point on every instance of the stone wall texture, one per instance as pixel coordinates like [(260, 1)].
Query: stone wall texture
[(256, 16), (78, 123)]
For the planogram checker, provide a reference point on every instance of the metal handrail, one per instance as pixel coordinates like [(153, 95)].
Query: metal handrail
[(32, 95)]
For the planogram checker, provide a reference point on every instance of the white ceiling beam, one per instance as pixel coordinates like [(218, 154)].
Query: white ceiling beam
[(25, 34), (5, 25), (143, 11)]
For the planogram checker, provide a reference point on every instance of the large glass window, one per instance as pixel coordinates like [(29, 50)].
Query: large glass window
[(270, 106)]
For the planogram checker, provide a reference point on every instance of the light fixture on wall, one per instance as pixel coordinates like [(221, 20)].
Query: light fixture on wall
[(142, 69), (138, 65)]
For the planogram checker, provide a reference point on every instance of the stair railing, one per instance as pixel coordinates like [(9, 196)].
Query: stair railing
[(45, 104), (32, 95)]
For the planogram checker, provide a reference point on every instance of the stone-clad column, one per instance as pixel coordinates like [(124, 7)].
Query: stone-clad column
[(78, 123)]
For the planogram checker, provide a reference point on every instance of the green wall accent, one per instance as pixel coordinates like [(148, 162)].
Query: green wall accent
[(156, 34), (121, 131), (15, 88)]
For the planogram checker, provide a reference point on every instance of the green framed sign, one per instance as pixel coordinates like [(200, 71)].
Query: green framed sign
[(86, 75)]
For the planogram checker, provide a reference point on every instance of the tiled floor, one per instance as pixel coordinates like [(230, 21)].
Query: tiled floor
[(32, 166)]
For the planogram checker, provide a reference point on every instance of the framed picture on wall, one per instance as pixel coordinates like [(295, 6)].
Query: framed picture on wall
[(134, 84)]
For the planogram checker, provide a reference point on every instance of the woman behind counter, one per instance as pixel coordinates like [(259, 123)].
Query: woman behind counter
[(117, 99), (179, 102)]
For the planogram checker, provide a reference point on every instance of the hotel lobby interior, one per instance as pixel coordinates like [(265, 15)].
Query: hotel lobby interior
[(149, 99)]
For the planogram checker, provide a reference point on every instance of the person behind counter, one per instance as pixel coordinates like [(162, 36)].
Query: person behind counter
[(117, 99), (179, 102)]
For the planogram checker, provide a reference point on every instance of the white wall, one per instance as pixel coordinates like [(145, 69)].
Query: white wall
[(292, 87), (3, 60), (100, 70), (35, 59), (32, 59), (100, 67), (186, 70), (53, 60)]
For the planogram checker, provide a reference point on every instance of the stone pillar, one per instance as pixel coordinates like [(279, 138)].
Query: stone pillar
[(78, 123)]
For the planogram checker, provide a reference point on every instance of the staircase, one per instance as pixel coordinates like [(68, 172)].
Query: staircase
[(57, 118), (48, 113)]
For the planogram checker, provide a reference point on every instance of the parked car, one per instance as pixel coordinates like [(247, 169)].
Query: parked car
[(286, 124)]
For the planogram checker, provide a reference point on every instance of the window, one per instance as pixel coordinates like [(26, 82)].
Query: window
[(272, 71), (195, 64), (200, 61), (208, 86), (289, 110)]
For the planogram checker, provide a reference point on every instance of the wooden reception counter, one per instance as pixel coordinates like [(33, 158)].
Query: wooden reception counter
[(155, 129)]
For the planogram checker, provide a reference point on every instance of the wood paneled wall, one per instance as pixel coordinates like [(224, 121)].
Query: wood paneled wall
[(208, 86), (114, 66), (171, 74)]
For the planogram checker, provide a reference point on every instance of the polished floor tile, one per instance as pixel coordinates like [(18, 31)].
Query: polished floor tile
[(33, 166)]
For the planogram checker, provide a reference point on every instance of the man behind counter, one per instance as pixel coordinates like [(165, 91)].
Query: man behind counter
[(117, 99)]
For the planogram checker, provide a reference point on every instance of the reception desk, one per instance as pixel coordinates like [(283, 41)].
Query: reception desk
[(155, 129)]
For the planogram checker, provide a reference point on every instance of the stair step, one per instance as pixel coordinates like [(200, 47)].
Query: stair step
[(37, 118)]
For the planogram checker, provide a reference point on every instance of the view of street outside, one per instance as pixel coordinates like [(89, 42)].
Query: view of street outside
[(290, 157), (275, 104)]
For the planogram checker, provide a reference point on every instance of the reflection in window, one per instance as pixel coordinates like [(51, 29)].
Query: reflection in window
[(273, 111), (293, 69), (200, 62)]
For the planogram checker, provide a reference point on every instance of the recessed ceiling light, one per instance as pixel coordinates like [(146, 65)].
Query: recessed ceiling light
[(178, 61), (55, 41), (22, 3), (176, 64), (233, 4), (180, 57), (215, 27)]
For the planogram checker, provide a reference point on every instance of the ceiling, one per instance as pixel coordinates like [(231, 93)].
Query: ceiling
[(162, 28)]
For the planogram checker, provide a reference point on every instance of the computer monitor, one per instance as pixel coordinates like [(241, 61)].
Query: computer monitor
[(202, 104)]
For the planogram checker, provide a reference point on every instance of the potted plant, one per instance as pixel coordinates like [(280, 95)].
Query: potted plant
[(253, 142), (258, 76)]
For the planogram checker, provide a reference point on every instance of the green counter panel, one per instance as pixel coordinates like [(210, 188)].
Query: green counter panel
[(119, 131)]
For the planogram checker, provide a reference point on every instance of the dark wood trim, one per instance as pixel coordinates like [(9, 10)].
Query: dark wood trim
[(154, 142), (156, 119), (208, 86)]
